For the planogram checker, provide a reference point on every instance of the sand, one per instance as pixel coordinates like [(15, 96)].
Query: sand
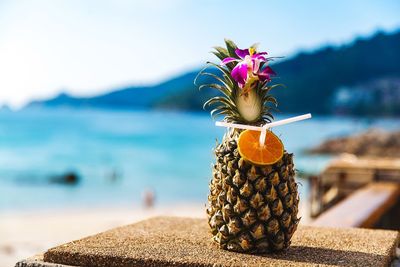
[(24, 234)]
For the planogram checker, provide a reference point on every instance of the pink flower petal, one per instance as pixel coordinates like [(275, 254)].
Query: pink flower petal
[(259, 57), (261, 53), (242, 53), (256, 64), (239, 73), (266, 74)]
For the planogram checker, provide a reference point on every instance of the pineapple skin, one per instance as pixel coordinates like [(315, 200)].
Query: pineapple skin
[(251, 209)]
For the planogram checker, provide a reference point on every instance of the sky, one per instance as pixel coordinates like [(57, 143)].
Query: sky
[(92, 46)]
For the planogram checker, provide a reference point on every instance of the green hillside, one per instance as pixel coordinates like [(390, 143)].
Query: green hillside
[(312, 78)]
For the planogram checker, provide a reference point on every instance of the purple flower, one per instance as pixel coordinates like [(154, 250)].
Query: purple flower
[(248, 66), (266, 73)]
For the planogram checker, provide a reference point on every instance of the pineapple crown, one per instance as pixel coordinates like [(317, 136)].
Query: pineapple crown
[(243, 78)]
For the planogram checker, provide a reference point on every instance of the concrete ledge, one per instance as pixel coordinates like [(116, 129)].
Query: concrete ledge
[(37, 261), (167, 241)]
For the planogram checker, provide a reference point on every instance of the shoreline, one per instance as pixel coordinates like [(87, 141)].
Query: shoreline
[(26, 233)]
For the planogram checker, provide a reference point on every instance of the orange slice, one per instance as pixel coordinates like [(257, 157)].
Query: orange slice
[(251, 150)]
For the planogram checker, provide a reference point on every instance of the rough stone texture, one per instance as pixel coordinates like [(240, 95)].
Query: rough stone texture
[(37, 261), (166, 241)]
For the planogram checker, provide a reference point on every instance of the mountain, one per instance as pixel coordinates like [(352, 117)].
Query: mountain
[(143, 97), (312, 79)]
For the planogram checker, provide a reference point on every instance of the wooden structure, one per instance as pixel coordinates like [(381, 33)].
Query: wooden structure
[(345, 175), (363, 208)]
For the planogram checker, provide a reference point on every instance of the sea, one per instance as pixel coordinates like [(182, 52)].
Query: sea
[(120, 155)]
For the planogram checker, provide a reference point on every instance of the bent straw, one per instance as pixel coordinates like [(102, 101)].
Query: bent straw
[(238, 126), (263, 128), (281, 122)]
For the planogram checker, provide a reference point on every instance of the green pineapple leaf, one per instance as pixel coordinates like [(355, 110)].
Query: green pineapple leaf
[(227, 83), (220, 52), (231, 46), (220, 88), (270, 99)]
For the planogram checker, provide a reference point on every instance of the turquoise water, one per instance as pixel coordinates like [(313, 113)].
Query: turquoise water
[(170, 153)]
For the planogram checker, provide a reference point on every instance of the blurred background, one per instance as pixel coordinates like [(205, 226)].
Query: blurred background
[(101, 124)]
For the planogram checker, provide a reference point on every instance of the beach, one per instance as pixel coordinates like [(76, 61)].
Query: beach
[(26, 233)]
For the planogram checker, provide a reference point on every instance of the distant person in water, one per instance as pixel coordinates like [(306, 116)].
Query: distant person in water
[(68, 178), (114, 175), (148, 198)]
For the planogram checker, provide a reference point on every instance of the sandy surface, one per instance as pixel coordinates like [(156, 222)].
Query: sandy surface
[(24, 234)]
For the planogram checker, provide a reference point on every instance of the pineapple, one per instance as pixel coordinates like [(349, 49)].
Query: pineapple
[(251, 208)]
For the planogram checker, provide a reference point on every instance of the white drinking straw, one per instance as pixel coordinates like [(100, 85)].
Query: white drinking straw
[(238, 126), (263, 128)]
